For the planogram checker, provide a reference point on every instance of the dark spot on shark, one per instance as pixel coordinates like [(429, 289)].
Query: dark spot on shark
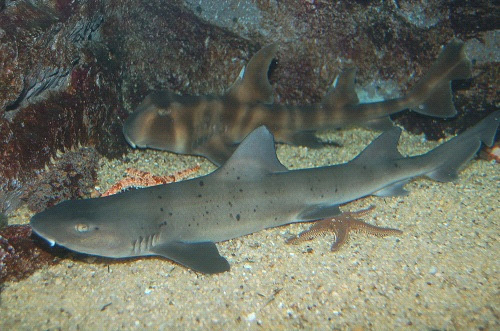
[(161, 209), (164, 223), (230, 203), (336, 189), (159, 197), (238, 178), (396, 165), (201, 183), (170, 214), (364, 167), (241, 190), (238, 217), (199, 195)]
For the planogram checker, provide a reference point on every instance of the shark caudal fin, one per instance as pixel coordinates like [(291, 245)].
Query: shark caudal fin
[(453, 154), (432, 95), (252, 85)]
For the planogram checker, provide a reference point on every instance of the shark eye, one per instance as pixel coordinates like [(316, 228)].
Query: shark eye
[(81, 227)]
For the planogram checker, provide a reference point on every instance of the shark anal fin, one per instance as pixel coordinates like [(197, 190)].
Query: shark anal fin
[(254, 85), (203, 256)]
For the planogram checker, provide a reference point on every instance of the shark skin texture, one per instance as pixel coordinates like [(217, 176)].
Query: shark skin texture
[(252, 191), (213, 126)]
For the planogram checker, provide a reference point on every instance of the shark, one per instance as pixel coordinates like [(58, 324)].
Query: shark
[(252, 191), (212, 126)]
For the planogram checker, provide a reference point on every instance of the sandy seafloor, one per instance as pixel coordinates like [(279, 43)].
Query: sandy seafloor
[(442, 273)]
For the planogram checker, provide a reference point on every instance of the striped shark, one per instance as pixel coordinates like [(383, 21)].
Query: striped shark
[(212, 126), (252, 191)]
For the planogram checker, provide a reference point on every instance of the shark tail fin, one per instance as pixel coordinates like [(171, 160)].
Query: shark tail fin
[(453, 154), (252, 84), (432, 95)]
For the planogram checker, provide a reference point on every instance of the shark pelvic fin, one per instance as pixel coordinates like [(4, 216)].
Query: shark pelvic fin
[(254, 157), (254, 85), (203, 256)]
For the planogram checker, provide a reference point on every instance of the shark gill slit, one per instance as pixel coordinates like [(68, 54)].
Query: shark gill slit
[(144, 244)]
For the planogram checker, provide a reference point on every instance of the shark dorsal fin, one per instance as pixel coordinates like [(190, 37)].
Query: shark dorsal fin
[(342, 93), (254, 86), (254, 157), (383, 149)]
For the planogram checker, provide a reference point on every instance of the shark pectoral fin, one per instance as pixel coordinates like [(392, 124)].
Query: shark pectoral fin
[(392, 190), (203, 256), (254, 86), (319, 212)]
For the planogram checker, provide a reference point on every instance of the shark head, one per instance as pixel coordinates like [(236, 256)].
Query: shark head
[(158, 122), (83, 226)]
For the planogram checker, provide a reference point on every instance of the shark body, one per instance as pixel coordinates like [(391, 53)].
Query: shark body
[(252, 191), (212, 126)]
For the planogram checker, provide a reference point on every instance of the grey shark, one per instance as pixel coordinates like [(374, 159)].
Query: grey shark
[(212, 126), (252, 191)]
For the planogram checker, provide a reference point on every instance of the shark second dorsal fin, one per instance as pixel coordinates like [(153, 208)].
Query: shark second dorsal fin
[(254, 85), (383, 149), (254, 157), (342, 94)]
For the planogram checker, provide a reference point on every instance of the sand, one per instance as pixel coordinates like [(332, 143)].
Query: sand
[(442, 273)]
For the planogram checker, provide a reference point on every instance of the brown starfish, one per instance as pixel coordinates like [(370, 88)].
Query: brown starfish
[(137, 178), (341, 226)]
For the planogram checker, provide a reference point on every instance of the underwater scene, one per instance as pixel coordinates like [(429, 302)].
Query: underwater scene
[(234, 165)]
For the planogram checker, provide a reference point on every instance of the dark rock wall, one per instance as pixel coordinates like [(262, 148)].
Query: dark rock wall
[(71, 71)]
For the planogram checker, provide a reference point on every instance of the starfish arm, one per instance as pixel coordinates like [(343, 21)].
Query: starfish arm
[(319, 228), (360, 226), (341, 238)]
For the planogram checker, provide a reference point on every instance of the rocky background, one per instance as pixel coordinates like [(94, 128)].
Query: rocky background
[(71, 71)]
